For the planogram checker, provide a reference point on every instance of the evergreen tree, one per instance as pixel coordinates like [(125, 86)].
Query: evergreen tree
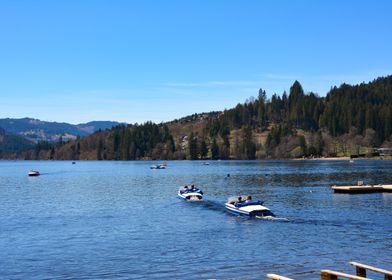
[(296, 104), (302, 144), (214, 149), (203, 149), (192, 146), (100, 150)]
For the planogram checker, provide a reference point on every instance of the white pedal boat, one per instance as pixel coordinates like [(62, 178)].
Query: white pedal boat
[(249, 208), (33, 173), (158, 166), (193, 194)]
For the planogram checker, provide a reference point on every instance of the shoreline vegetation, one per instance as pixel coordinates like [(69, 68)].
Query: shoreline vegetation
[(343, 158), (284, 159), (349, 122)]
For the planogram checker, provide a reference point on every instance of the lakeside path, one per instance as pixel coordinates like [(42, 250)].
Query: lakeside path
[(324, 158), (346, 158)]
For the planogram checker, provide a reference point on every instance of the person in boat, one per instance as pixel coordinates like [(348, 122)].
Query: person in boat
[(184, 189), (239, 201), (248, 199), (193, 188)]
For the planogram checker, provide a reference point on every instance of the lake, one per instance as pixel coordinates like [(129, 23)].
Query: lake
[(122, 220)]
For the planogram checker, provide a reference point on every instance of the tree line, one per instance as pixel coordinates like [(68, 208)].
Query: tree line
[(347, 120)]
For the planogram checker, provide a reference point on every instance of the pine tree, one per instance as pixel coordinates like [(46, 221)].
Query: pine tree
[(192, 146), (100, 149), (203, 149), (214, 149), (249, 149), (302, 144)]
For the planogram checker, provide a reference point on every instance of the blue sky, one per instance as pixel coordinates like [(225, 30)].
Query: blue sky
[(133, 61)]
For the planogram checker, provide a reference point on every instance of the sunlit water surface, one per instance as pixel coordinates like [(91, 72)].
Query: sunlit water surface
[(122, 220)]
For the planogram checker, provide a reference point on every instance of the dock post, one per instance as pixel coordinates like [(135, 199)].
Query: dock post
[(361, 271), (326, 276)]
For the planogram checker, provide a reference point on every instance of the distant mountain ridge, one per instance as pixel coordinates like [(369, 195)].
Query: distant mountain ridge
[(36, 130)]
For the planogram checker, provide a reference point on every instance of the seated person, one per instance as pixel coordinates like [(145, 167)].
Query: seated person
[(248, 199), (239, 201)]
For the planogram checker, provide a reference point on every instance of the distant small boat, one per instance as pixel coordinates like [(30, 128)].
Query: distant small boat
[(157, 166), (206, 163), (73, 162), (351, 161), (34, 173)]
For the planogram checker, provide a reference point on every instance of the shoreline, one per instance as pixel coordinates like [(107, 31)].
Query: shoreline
[(208, 159)]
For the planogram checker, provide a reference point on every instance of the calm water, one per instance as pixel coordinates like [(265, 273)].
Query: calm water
[(121, 220)]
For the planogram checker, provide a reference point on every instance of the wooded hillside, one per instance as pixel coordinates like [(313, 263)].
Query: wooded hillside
[(350, 120)]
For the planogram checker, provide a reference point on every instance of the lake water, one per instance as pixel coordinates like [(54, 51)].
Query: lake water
[(122, 220)]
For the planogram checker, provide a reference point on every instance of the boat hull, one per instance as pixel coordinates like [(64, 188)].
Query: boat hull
[(236, 211), (192, 196), (157, 167)]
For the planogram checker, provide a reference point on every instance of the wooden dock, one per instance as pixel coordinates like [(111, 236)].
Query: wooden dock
[(362, 189), (327, 274)]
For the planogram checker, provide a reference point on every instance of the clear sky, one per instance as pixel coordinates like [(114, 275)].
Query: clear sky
[(133, 61)]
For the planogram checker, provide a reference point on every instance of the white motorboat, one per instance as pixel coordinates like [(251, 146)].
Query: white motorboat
[(158, 166), (190, 193), (34, 173), (249, 208)]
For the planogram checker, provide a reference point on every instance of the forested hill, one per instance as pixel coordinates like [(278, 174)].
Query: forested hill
[(349, 120), (36, 130)]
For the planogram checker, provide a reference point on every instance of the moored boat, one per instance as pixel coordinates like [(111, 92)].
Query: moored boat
[(34, 173), (361, 188), (190, 193), (250, 208)]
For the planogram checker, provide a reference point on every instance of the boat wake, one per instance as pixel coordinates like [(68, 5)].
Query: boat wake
[(216, 206), (270, 218)]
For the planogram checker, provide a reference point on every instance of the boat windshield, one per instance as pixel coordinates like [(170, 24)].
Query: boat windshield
[(234, 199), (244, 201), (190, 190)]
